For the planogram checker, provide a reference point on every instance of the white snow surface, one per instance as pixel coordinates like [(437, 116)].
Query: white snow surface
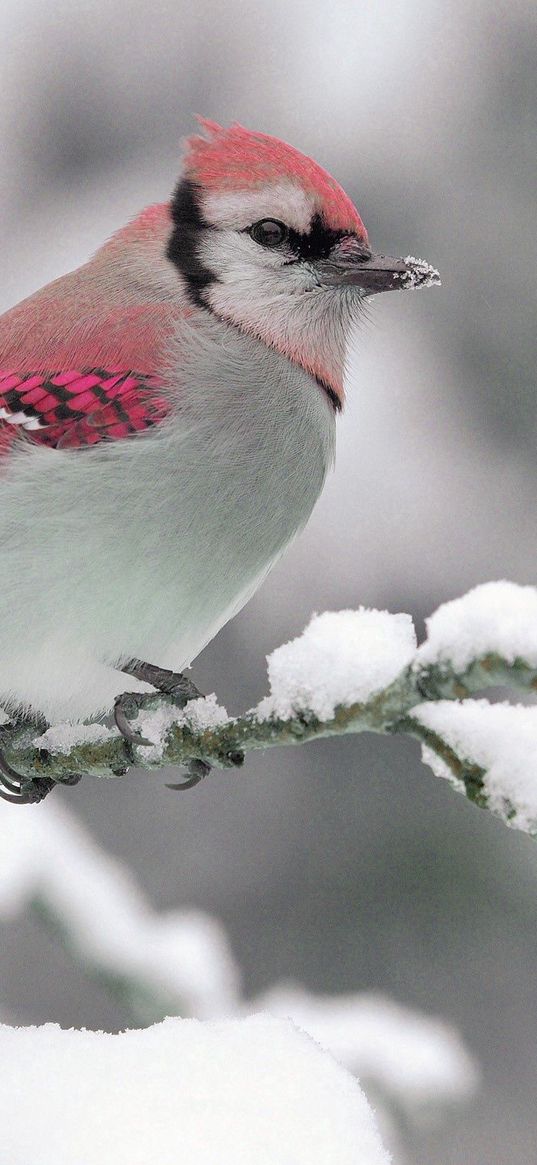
[(502, 739), (342, 658), (416, 1060), (180, 1093), (495, 617), (64, 737)]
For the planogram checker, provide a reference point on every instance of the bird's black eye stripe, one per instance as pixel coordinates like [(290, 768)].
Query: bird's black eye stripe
[(189, 227), (316, 243)]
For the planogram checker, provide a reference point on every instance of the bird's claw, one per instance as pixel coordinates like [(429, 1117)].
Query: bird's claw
[(11, 784), (197, 770), (125, 707), (180, 689), (21, 790)]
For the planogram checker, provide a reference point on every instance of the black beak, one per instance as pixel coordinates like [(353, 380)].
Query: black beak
[(351, 265)]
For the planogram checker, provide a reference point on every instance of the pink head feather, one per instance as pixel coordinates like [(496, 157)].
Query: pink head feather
[(236, 158)]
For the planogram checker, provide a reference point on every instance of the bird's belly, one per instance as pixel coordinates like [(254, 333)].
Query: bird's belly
[(193, 635), (233, 525)]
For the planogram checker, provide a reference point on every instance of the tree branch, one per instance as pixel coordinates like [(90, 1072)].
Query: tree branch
[(410, 704)]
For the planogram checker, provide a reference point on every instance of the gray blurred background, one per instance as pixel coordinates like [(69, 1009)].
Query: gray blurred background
[(343, 864)]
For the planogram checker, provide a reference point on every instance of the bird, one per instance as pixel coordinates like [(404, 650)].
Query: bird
[(167, 422)]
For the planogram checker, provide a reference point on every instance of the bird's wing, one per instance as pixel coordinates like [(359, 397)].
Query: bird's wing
[(77, 407), (79, 357)]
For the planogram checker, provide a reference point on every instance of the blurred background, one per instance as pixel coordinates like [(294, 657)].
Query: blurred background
[(342, 865)]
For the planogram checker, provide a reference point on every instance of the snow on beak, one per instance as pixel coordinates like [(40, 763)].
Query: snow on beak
[(350, 264)]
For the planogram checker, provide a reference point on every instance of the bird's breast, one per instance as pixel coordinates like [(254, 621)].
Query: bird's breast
[(255, 432), (247, 450)]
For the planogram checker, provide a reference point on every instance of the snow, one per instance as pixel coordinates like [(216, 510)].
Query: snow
[(201, 714), (501, 739), (183, 1092), (342, 658), (495, 617), (205, 713), (179, 960), (441, 769), (64, 737), (414, 1060), (421, 274)]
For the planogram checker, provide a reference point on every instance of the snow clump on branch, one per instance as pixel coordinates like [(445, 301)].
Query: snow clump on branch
[(502, 740), (342, 658), (497, 618)]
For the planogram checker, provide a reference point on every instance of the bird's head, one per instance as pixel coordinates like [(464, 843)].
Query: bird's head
[(266, 239)]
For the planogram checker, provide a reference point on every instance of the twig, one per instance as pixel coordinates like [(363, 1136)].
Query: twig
[(387, 712)]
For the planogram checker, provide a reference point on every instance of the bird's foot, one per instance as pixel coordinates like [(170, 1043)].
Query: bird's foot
[(20, 789), (180, 689), (126, 708)]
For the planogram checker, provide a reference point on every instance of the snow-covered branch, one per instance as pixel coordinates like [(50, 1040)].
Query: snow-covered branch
[(355, 671)]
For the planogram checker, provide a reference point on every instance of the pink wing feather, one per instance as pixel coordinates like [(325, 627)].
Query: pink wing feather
[(78, 359), (70, 409)]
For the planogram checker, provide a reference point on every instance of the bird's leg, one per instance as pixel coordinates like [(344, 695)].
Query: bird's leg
[(16, 787), (173, 684)]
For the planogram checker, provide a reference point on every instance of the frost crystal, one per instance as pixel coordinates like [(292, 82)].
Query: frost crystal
[(421, 274)]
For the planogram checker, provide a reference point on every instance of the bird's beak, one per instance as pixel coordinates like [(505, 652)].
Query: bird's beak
[(352, 265)]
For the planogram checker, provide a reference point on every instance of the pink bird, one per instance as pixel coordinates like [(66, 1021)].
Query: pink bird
[(167, 421)]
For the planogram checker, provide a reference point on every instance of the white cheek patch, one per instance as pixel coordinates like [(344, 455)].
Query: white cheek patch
[(238, 209), (235, 257), (248, 276)]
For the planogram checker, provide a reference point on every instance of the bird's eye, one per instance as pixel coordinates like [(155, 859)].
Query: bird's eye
[(269, 232)]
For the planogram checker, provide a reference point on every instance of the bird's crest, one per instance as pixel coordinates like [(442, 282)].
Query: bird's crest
[(239, 159)]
